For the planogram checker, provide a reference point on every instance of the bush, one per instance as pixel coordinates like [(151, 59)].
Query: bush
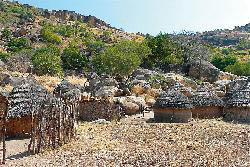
[(4, 56), (95, 47), (18, 44), (73, 59), (222, 61), (239, 68), (6, 33), (66, 31), (244, 44), (121, 59), (47, 61), (49, 36)]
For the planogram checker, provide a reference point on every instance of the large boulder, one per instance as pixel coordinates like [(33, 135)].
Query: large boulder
[(131, 104), (204, 70), (21, 62), (15, 81)]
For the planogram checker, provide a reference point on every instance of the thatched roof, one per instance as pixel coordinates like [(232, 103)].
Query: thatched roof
[(205, 98), (240, 97), (25, 98), (173, 99), (71, 93)]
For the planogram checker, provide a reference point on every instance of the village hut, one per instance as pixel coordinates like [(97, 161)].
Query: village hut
[(206, 105), (24, 101), (238, 104), (172, 106)]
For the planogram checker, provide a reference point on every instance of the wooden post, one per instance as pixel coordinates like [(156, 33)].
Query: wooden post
[(4, 135)]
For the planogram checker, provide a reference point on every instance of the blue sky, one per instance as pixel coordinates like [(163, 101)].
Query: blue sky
[(153, 16)]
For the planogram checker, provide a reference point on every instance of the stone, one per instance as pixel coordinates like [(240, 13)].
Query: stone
[(204, 70), (130, 108), (12, 81), (107, 91), (21, 62), (150, 101)]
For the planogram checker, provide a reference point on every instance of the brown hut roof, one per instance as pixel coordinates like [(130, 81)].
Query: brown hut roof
[(240, 97), (172, 99)]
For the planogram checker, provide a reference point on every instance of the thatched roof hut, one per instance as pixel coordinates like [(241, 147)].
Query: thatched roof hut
[(206, 104), (24, 100), (238, 104), (172, 106)]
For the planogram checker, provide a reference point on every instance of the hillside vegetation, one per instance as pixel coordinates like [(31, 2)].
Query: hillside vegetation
[(58, 43)]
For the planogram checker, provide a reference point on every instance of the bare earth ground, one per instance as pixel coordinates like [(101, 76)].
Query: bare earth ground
[(133, 142)]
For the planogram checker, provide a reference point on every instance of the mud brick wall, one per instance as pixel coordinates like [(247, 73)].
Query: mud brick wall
[(99, 109), (207, 112), (172, 115), (237, 114)]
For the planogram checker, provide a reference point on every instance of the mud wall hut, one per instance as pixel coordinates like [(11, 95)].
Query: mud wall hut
[(172, 106), (206, 105), (23, 101), (238, 104)]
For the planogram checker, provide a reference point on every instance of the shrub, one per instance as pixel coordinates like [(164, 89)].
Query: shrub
[(244, 44), (4, 56), (222, 61), (95, 46), (73, 59), (49, 36), (64, 30), (121, 59), (47, 61), (18, 44), (239, 68), (6, 33)]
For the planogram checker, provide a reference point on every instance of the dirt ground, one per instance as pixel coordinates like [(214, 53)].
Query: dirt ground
[(136, 141)]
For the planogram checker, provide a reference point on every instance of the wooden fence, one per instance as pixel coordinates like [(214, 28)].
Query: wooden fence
[(2, 137), (54, 124)]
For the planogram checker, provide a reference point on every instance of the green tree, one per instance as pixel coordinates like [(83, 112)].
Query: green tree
[(47, 61), (164, 50), (73, 59), (122, 58)]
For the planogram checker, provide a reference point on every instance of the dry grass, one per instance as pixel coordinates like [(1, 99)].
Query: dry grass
[(48, 82), (136, 143), (51, 82), (76, 80)]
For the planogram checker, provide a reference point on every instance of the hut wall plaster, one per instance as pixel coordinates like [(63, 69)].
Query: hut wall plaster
[(172, 115), (241, 114), (207, 112)]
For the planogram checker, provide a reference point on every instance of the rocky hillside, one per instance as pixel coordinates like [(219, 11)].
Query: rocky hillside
[(226, 37), (22, 20)]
